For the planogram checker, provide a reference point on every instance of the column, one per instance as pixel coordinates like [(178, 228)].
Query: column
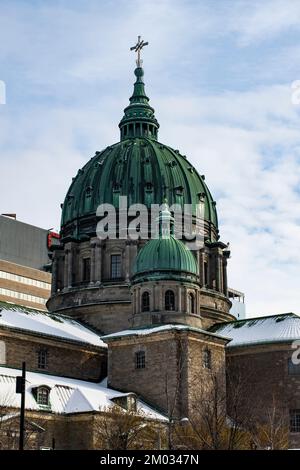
[(70, 267), (225, 286), (93, 261), (127, 260), (185, 303), (179, 306), (216, 269), (98, 262), (201, 267), (133, 301), (198, 258), (133, 254), (138, 303), (66, 268), (157, 298), (152, 299), (221, 287)]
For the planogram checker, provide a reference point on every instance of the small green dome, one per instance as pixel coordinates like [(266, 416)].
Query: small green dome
[(164, 258)]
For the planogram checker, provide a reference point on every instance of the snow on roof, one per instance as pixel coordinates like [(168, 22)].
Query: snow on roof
[(15, 316), (156, 329), (66, 395), (273, 329)]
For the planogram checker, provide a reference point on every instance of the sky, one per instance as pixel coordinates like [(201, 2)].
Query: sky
[(222, 77)]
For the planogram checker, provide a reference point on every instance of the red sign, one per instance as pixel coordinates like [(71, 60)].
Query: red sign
[(52, 238)]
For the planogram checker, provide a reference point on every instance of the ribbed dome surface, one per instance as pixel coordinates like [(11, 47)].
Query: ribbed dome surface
[(142, 169), (165, 255)]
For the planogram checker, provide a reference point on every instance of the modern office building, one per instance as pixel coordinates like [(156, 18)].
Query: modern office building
[(24, 263)]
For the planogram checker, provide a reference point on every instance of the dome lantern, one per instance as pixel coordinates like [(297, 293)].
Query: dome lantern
[(139, 119)]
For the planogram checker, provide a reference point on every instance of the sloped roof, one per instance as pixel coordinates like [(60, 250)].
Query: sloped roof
[(144, 331), (273, 329), (66, 395), (48, 324)]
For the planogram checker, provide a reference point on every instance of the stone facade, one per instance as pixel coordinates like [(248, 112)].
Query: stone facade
[(65, 358), (174, 365), (183, 313), (106, 303), (60, 432), (267, 381), (48, 430)]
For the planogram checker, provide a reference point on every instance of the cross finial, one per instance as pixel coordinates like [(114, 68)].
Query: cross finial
[(137, 48)]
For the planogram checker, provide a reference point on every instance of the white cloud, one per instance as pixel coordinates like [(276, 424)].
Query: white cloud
[(256, 21)]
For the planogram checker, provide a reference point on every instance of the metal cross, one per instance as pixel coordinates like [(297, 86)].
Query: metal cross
[(137, 48)]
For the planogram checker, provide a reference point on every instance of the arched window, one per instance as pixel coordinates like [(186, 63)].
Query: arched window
[(42, 396), (145, 302), (140, 360), (169, 300), (42, 358), (191, 303)]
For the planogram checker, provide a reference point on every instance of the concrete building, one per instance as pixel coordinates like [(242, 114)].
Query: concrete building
[(24, 263)]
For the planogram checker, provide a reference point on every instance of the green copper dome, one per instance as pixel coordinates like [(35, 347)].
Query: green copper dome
[(139, 167), (164, 258)]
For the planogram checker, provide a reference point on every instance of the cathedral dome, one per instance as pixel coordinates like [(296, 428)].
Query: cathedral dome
[(139, 167), (164, 258)]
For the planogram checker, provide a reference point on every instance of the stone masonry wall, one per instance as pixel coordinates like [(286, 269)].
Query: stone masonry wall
[(66, 359), (264, 370), (173, 361), (157, 382)]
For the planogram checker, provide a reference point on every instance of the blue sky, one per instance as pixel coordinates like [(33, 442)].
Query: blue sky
[(219, 75)]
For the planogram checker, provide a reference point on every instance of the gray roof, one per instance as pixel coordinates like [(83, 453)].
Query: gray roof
[(42, 323), (149, 330), (273, 329), (66, 395)]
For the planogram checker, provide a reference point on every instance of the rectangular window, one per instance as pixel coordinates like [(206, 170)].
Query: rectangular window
[(295, 421), (42, 358), (293, 369), (21, 296), (140, 360), (207, 359), (86, 269), (205, 273), (24, 280), (115, 266), (42, 396)]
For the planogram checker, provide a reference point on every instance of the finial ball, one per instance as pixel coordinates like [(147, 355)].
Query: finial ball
[(139, 72)]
